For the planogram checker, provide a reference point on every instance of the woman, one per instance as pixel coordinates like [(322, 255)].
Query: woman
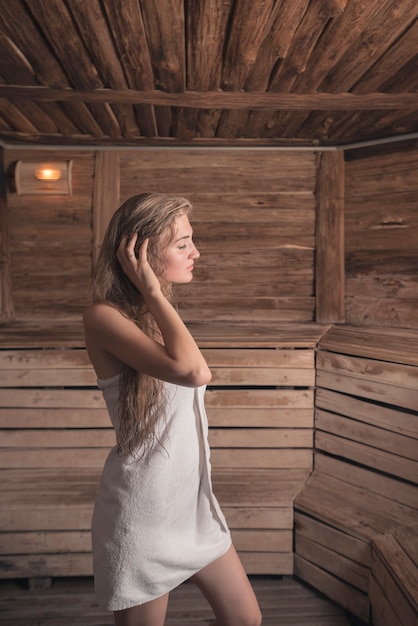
[(156, 522)]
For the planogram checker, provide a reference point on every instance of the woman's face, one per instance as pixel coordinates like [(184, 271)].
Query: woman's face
[(180, 254)]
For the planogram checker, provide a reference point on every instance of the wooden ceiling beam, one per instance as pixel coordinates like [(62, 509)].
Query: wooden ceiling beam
[(231, 100)]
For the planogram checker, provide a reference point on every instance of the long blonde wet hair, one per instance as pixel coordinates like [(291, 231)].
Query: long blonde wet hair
[(141, 397)]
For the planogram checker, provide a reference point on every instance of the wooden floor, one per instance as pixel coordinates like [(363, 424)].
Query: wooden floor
[(70, 602)]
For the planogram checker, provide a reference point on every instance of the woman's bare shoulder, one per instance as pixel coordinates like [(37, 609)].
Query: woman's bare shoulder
[(101, 311)]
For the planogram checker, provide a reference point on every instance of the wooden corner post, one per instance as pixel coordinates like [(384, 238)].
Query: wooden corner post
[(329, 262), (7, 313), (106, 193)]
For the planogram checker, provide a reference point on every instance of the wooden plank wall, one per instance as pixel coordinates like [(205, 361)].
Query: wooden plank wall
[(55, 436), (254, 223), (364, 483), (381, 225), (50, 241)]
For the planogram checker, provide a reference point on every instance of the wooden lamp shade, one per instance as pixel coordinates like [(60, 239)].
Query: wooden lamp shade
[(43, 177)]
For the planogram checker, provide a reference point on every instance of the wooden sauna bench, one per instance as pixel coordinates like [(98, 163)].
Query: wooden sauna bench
[(55, 435), (356, 518)]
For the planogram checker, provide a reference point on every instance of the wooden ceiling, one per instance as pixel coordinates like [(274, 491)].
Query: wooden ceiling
[(207, 72)]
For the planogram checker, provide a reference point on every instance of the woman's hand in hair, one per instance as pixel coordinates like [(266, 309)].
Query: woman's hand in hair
[(138, 269)]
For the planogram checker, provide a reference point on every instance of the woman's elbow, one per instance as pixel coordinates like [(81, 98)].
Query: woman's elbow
[(200, 376)]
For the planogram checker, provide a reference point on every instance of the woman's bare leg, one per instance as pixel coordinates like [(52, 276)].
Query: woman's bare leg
[(225, 585), (148, 614)]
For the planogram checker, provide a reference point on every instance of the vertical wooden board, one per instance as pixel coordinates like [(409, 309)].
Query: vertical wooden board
[(106, 194), (6, 294), (382, 611), (329, 280)]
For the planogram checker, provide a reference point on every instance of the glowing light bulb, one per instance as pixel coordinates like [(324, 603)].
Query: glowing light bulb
[(48, 172)]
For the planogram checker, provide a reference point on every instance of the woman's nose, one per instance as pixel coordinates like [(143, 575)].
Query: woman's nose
[(195, 252)]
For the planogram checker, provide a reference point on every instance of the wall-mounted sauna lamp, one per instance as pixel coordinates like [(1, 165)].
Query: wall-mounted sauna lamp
[(49, 177)]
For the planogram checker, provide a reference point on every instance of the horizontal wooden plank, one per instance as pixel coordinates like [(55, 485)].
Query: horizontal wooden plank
[(334, 563), (253, 357), (105, 438), (396, 420), (38, 377), (366, 455), (339, 542), (59, 438), (260, 438), (44, 359), (395, 374), (95, 457), (263, 376), (92, 458), (52, 398), (263, 417), (345, 595), (289, 399), (351, 509), (257, 517), (46, 520), (98, 418), (57, 418), (378, 391), (373, 481), (373, 436), (220, 357), (42, 333), (263, 540), (57, 542), (46, 565), (266, 458), (396, 345), (278, 563)]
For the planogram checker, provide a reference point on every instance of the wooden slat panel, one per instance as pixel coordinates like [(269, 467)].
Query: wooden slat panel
[(64, 334), (379, 391), (333, 539), (58, 542), (49, 378), (369, 369), (268, 458), (263, 541), (345, 595), (260, 517), (396, 574), (290, 359), (71, 418), (377, 438), (263, 417), (391, 488), (267, 562), (252, 377), (53, 458), (368, 456), (387, 344), (53, 398), (289, 399), (383, 611), (340, 566), (385, 417), (346, 507), (42, 565), (105, 438)]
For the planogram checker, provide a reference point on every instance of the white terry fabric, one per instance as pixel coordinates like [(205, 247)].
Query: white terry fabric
[(156, 521)]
